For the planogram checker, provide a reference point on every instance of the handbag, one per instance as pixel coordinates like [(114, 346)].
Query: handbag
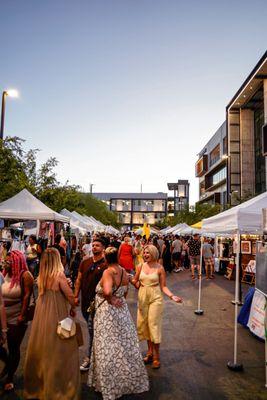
[(66, 328)]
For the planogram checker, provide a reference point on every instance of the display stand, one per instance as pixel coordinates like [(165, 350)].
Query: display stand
[(199, 311), (235, 366)]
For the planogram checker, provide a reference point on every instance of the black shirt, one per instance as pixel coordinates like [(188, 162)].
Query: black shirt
[(91, 274)]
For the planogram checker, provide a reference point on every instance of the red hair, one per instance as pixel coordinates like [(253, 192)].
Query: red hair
[(18, 266)]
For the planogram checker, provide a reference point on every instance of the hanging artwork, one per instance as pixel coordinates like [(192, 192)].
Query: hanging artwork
[(245, 247)]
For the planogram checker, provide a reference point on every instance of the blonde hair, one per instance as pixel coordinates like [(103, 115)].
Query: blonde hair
[(153, 251), (111, 254), (50, 267)]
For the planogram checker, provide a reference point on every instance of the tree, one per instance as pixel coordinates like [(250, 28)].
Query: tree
[(18, 170)]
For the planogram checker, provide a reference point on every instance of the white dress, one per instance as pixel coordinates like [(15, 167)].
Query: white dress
[(116, 366)]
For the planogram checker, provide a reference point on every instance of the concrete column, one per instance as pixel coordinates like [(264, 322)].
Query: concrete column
[(247, 152), (265, 119)]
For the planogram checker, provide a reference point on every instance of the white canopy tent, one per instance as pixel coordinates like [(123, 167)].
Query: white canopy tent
[(24, 206), (245, 218), (96, 224), (77, 222)]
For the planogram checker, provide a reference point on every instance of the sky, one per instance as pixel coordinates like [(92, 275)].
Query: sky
[(125, 92)]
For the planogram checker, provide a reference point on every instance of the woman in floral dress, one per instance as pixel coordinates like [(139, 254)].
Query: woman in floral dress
[(116, 366)]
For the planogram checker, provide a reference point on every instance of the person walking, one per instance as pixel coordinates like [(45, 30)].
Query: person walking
[(89, 274), (126, 255), (194, 246), (166, 256), (16, 290), (32, 253), (51, 368), (115, 345), (150, 279), (207, 251), (176, 250)]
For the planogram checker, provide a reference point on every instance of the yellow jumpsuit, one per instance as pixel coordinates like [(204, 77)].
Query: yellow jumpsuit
[(150, 308)]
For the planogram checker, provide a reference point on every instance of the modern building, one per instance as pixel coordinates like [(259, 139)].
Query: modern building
[(211, 169), (180, 198), (231, 166), (134, 209), (246, 115)]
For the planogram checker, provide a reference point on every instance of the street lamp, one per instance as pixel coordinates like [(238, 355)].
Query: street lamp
[(10, 93)]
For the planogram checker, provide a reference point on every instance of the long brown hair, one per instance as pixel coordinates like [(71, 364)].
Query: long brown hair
[(50, 267)]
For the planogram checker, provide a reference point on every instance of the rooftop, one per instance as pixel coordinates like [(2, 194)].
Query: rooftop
[(127, 196)]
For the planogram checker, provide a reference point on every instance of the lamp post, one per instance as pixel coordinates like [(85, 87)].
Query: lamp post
[(10, 93)]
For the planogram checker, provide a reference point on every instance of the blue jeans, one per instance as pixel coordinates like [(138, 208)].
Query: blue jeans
[(89, 318)]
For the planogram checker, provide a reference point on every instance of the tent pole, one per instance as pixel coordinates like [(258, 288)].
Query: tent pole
[(234, 366), (199, 311), (265, 347)]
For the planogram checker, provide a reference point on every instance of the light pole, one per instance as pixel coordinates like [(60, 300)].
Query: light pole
[(10, 93)]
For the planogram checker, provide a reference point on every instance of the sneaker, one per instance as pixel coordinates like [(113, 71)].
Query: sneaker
[(176, 270), (85, 365)]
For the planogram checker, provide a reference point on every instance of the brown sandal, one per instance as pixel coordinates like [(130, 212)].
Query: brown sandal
[(156, 363), (148, 359)]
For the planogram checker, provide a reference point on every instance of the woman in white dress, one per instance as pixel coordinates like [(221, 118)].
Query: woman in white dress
[(116, 366)]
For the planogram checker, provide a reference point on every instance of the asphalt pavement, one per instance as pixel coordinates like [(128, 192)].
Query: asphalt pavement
[(195, 349)]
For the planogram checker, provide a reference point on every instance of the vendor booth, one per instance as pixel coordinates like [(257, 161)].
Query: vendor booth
[(245, 219)]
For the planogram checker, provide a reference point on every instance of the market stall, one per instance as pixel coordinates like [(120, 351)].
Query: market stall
[(24, 208), (245, 218)]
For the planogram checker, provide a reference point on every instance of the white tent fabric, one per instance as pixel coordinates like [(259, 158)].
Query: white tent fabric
[(111, 230), (77, 222), (246, 218), (162, 231), (93, 222), (24, 206), (178, 228)]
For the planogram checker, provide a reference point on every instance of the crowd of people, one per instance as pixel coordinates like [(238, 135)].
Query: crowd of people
[(96, 276)]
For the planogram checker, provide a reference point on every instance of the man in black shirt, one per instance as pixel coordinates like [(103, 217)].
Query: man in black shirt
[(90, 273)]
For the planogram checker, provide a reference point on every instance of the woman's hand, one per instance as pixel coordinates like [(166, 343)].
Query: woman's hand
[(116, 302), (20, 319), (72, 312), (177, 299)]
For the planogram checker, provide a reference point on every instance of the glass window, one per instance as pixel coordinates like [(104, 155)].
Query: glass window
[(219, 176), (215, 155), (260, 185)]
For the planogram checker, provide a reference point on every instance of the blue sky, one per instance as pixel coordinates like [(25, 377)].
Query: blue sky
[(125, 92)]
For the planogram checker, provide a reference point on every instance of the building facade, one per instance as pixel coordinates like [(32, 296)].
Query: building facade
[(134, 209), (180, 198), (246, 115), (211, 169), (232, 167)]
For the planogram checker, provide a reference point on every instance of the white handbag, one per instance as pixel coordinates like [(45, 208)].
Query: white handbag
[(66, 328)]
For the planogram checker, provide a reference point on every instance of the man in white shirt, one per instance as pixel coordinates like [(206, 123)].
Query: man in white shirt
[(87, 249)]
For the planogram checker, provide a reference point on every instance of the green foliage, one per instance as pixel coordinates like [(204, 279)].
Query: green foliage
[(18, 170)]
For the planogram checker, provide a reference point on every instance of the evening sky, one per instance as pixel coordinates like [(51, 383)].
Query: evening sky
[(124, 92)]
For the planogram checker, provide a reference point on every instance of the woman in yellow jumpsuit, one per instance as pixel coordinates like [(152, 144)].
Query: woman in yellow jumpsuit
[(150, 279)]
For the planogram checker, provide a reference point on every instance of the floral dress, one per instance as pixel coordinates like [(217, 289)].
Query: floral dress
[(116, 366)]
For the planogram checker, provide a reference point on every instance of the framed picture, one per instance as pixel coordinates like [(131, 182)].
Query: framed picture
[(254, 248), (245, 247)]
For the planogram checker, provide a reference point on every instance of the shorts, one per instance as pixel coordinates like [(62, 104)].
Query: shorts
[(176, 256), (195, 260), (208, 262)]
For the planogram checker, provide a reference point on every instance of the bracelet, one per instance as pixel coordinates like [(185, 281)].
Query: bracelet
[(171, 297)]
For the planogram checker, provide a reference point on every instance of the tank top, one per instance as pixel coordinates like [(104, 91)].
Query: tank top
[(149, 279), (11, 296)]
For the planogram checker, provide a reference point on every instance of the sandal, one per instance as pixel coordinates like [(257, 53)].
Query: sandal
[(156, 363), (193, 277), (9, 387), (148, 358)]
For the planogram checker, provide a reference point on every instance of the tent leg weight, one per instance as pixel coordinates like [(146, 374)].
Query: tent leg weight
[(235, 366), (199, 312)]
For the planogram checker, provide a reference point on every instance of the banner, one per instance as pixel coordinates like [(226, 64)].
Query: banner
[(257, 315)]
